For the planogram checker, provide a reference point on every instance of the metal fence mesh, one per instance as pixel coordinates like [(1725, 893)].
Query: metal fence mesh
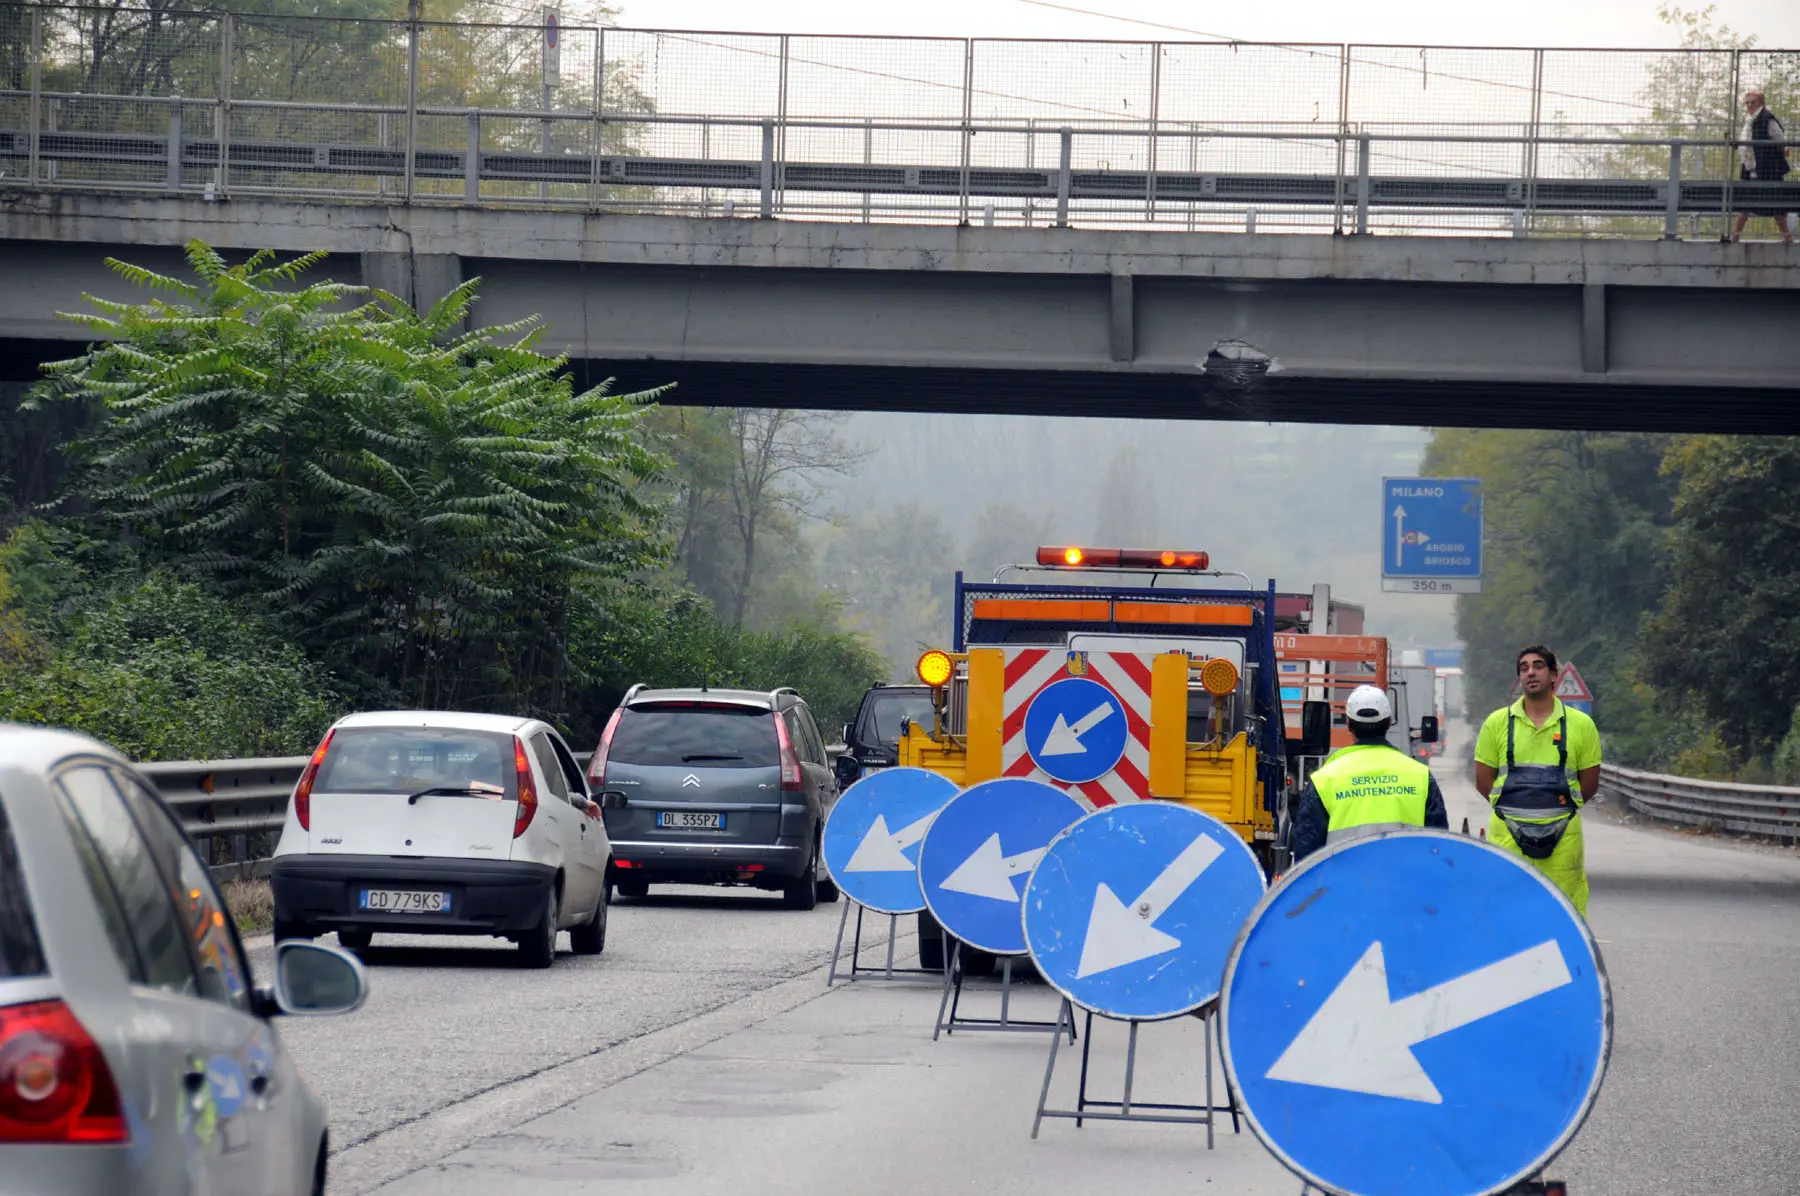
[(1171, 135)]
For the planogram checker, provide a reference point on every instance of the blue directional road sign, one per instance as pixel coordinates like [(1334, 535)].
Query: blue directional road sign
[(229, 1088), (873, 834), (978, 850), (1431, 535), (1132, 913), (1415, 1012), (1075, 730)]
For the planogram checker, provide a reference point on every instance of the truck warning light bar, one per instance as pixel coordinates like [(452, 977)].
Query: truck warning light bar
[(1121, 558)]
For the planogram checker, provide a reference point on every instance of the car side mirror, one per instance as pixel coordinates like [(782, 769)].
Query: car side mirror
[(848, 768), (313, 980), (849, 729), (1428, 729), (613, 799), (1315, 729)]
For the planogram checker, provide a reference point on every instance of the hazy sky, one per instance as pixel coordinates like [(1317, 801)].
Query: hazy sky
[(1631, 23)]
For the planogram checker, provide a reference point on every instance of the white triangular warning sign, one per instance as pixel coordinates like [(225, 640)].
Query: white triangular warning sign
[(1570, 687)]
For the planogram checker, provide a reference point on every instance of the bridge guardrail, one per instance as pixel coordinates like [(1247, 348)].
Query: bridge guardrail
[(1771, 810), (234, 808), (1187, 135)]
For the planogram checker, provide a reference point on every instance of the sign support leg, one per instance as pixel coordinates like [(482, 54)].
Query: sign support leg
[(952, 1001), (838, 947), (950, 969), (1128, 1108), (1067, 1010), (856, 970)]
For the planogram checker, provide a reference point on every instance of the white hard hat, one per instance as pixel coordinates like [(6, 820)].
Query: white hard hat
[(1368, 704)]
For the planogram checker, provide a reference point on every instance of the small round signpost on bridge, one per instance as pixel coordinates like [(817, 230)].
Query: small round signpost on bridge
[(1133, 912), (1415, 1011)]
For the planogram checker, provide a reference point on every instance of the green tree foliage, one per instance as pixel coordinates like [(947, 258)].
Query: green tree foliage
[(419, 509), (1728, 631), (153, 665), (1576, 551), (663, 638), (890, 567), (743, 489)]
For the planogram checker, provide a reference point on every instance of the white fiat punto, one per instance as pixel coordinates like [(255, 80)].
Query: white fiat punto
[(425, 822)]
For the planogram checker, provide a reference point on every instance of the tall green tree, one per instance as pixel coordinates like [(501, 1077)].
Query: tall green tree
[(1727, 633), (1576, 550), (421, 509)]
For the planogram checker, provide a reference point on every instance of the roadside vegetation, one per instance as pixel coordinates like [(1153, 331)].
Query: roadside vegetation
[(1666, 567), (271, 498)]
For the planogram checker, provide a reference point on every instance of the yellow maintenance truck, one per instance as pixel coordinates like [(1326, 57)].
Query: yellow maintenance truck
[(1188, 707)]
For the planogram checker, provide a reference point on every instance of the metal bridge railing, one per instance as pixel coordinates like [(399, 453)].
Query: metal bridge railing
[(1163, 135), (1770, 810)]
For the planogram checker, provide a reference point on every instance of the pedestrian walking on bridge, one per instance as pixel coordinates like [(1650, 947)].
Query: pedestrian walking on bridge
[(1763, 158), (1531, 748), (1366, 787)]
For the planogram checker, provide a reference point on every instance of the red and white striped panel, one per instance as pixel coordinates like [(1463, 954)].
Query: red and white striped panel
[(1126, 674)]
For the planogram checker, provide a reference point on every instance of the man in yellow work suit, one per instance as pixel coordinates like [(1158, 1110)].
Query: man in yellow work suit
[(1366, 787), (1531, 747)]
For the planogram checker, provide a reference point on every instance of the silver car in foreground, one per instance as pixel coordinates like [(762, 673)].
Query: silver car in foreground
[(136, 1055)]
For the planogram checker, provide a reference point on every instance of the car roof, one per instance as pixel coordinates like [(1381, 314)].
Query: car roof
[(42, 748), (447, 720), (762, 699)]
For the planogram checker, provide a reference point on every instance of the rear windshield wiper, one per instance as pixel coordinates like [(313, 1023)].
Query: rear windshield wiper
[(456, 791), (703, 756)]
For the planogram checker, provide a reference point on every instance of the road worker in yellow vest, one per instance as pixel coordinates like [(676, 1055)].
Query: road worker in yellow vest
[(1368, 786), (1531, 748)]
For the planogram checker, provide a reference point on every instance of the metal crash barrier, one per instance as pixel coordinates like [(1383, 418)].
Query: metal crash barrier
[(1771, 810)]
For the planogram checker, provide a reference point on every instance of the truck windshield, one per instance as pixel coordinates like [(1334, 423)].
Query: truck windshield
[(882, 723)]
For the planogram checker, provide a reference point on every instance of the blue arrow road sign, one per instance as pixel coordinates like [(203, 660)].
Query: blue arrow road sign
[(1415, 1012), (979, 850), (873, 833), (1075, 730), (1431, 528), (1132, 913)]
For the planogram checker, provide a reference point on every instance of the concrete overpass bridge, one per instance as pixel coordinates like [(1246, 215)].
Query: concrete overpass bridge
[(1406, 330), (1102, 229)]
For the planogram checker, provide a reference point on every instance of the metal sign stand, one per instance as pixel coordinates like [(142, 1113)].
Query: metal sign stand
[(1162, 1111), (952, 998), (857, 970)]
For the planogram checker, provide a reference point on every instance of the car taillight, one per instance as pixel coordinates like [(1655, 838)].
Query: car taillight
[(303, 791), (597, 765), (790, 763), (527, 788), (55, 1085)]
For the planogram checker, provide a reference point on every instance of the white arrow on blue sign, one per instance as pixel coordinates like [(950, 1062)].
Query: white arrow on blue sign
[(1132, 913), (1075, 730), (873, 834), (1416, 1012), (979, 851), (229, 1088)]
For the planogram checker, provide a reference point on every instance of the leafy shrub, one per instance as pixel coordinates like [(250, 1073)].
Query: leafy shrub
[(161, 670)]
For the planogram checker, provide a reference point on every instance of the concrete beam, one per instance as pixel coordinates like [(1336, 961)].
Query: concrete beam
[(1123, 324), (77, 218)]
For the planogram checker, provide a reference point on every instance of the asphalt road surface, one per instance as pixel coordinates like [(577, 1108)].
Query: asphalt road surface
[(703, 1053)]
